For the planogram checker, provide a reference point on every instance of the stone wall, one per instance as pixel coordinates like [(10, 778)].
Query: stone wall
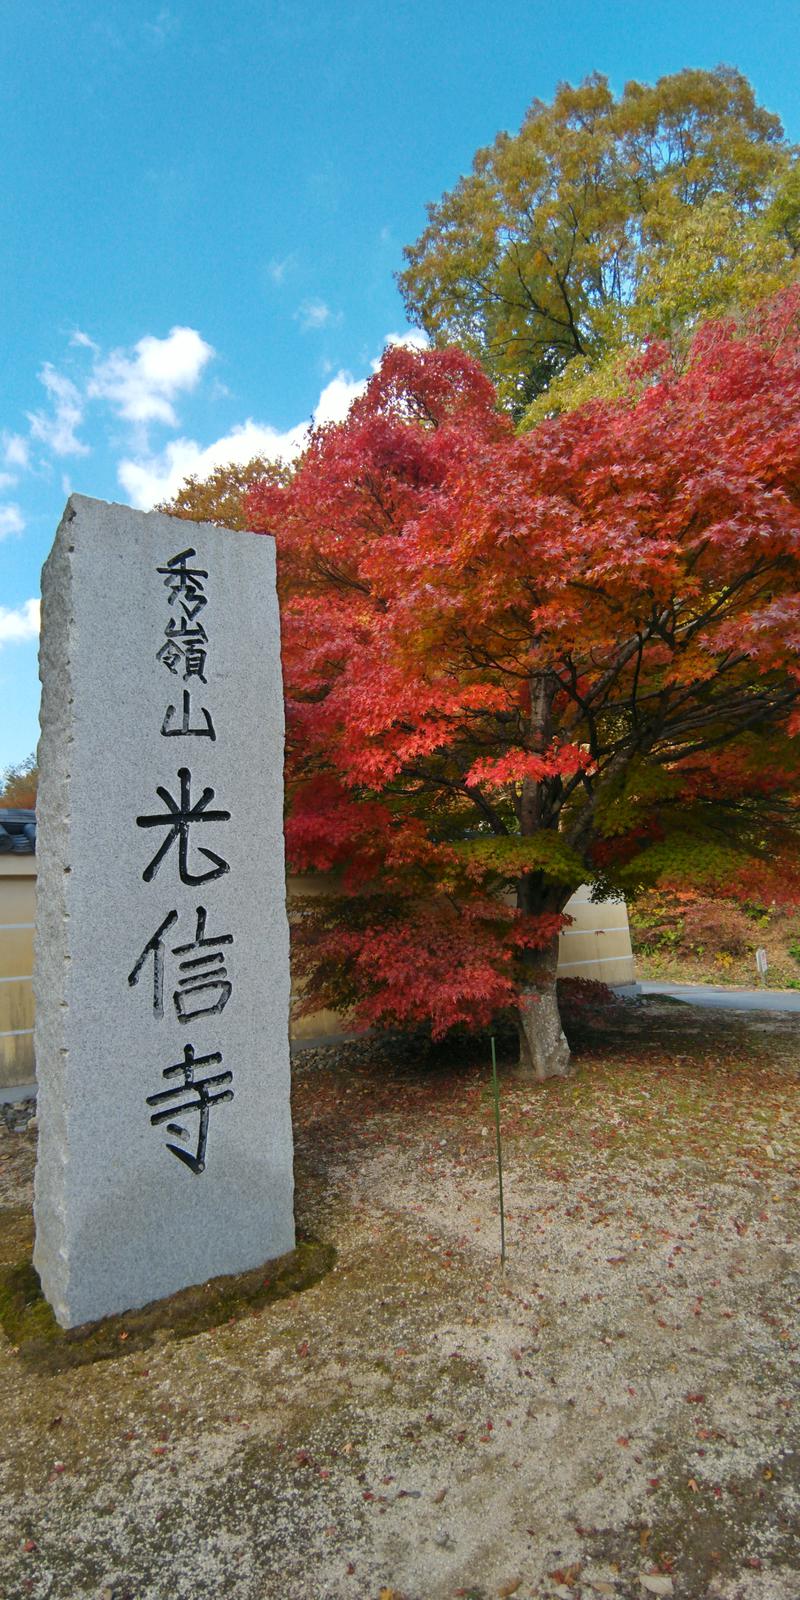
[(17, 911)]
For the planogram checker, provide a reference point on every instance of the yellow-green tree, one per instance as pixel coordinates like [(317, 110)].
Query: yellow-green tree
[(603, 220), (221, 496), (18, 785)]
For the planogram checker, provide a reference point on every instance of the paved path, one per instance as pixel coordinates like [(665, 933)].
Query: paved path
[(708, 994), (12, 1093)]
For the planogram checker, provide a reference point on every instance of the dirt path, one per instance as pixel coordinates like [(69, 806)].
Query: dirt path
[(613, 1415)]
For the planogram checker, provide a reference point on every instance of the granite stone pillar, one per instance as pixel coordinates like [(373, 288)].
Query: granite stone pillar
[(162, 952)]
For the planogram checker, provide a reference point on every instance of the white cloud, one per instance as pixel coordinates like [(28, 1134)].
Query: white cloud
[(6, 480), (151, 479), (155, 478), (313, 314), (11, 520), (83, 341), (148, 480), (165, 24), (337, 398), (142, 386), (413, 340), (57, 428), (278, 267), (15, 451), (17, 626)]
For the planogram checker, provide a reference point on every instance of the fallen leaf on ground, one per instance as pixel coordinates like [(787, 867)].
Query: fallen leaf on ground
[(509, 1588), (657, 1583), (565, 1577)]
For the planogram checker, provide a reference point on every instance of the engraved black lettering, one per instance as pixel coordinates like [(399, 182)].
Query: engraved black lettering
[(202, 1094), (184, 730), (184, 583), (155, 947), (204, 975), (178, 818)]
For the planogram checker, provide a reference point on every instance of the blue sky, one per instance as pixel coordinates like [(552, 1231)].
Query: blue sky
[(202, 208)]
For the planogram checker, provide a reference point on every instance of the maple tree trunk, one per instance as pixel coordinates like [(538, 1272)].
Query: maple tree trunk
[(543, 1049)]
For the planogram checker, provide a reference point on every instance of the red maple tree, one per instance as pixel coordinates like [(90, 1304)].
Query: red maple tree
[(515, 664)]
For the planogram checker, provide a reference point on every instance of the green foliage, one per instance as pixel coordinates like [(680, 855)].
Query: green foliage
[(760, 915), (692, 858), (604, 221), (546, 853), (718, 258), (629, 798), (654, 925)]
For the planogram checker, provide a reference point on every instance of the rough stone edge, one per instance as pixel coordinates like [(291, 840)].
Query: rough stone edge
[(55, 1172), (51, 936)]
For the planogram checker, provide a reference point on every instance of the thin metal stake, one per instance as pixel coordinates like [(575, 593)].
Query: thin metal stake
[(496, 1093)]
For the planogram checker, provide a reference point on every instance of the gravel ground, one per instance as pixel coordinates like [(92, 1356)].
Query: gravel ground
[(17, 1115), (611, 1415)]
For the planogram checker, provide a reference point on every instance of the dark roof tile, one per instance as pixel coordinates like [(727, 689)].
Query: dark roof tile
[(17, 832)]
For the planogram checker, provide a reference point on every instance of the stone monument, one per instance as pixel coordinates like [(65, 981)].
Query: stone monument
[(162, 948)]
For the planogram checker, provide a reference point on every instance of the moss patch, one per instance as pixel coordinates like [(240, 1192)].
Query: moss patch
[(16, 1235), (28, 1322)]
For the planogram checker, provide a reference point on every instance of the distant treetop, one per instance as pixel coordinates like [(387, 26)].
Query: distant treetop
[(603, 221), (18, 785), (220, 497)]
